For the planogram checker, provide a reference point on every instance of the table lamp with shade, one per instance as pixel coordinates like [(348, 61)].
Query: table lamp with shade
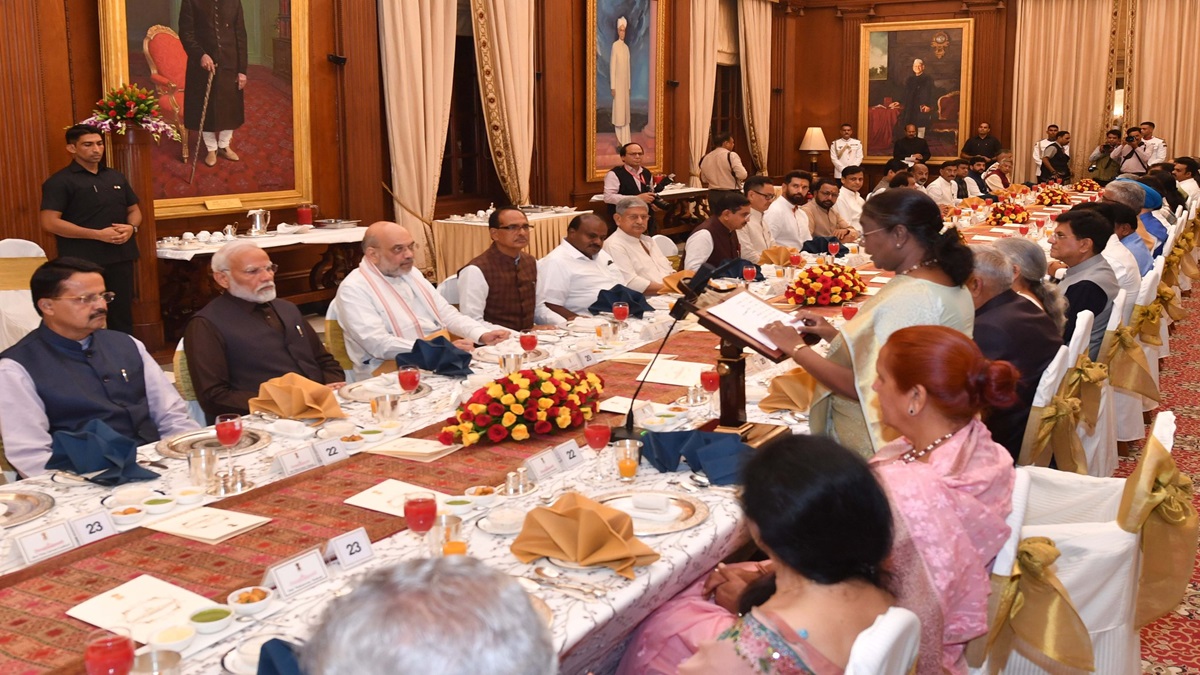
[(814, 143)]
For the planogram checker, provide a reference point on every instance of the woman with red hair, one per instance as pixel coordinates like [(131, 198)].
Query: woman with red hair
[(949, 483)]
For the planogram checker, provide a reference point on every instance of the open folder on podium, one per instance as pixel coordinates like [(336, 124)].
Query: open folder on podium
[(741, 317)]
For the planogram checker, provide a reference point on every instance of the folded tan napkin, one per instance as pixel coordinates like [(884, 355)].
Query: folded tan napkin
[(791, 391), (296, 397), (674, 283), (971, 202), (579, 530), (776, 255)]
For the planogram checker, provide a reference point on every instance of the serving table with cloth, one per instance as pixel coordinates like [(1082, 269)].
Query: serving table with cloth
[(457, 242), (307, 509), (687, 209)]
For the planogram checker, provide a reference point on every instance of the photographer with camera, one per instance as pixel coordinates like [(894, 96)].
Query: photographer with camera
[(631, 179), (1101, 166), (1132, 155)]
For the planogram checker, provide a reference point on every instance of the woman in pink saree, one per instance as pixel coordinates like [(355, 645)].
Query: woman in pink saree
[(950, 487)]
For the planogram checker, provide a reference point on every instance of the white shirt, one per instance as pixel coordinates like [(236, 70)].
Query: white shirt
[(1189, 186), (788, 223), (370, 336), (473, 291), (697, 250), (844, 153), (1038, 148), (639, 267), (612, 184), (1125, 266), (755, 237), (568, 278), (942, 191), (1157, 148), (25, 427), (850, 205)]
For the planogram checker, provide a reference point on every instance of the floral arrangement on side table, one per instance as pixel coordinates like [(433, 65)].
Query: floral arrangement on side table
[(130, 105), (1087, 185), (825, 284), (1007, 213), (1053, 195), (524, 403)]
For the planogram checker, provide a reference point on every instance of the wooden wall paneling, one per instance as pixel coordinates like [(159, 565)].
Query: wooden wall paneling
[(991, 53), (21, 112), (678, 33), (786, 125), (365, 153), (558, 103), (778, 150)]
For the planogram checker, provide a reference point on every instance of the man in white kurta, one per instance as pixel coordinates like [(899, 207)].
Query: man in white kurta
[(385, 305), (756, 237), (641, 264), (785, 218), (849, 202), (618, 79), (572, 275)]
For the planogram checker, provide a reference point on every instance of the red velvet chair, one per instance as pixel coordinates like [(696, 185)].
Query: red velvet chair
[(946, 123), (168, 67)]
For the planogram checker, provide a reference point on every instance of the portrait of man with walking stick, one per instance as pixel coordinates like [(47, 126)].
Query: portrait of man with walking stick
[(214, 36)]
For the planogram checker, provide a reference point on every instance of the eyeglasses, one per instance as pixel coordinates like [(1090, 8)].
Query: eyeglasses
[(863, 237), (91, 298), (515, 228), (765, 195), (1056, 235), (255, 271)]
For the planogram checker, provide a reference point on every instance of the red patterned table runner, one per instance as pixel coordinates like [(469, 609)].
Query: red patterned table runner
[(37, 636)]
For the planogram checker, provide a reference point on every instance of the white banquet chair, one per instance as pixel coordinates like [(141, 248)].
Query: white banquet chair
[(1100, 443), (890, 645), (1147, 295), (17, 315), (1047, 388)]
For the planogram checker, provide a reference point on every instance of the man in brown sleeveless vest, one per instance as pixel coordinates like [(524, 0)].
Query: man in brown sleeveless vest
[(500, 285), (715, 240), (247, 336)]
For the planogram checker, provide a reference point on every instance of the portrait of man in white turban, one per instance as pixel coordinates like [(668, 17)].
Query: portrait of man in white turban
[(618, 78)]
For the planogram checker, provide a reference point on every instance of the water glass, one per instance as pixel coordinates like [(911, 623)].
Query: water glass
[(202, 466), (157, 662), (628, 455), (511, 362), (446, 538)]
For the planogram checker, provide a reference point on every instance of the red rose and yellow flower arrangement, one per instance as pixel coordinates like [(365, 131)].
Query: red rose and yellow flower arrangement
[(524, 403), (825, 284)]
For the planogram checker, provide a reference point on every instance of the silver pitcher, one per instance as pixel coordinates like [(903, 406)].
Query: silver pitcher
[(259, 219)]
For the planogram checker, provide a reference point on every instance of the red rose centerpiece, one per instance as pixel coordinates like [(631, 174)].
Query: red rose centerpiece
[(1053, 195), (1007, 213), (825, 284), (524, 403), (1087, 185)]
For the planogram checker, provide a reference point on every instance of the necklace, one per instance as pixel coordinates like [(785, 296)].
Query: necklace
[(924, 263), (913, 455)]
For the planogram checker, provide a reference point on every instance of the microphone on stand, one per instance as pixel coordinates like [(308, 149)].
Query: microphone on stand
[(691, 291)]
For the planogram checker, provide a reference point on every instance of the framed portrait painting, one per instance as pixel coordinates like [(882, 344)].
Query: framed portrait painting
[(232, 77), (626, 53), (915, 89)]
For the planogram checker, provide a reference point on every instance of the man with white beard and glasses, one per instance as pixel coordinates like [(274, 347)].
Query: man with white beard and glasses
[(71, 371), (247, 336)]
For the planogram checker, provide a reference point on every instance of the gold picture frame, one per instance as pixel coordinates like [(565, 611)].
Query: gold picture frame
[(940, 94), (114, 53), (646, 37)]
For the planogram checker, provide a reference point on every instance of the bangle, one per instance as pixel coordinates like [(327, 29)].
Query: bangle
[(798, 348)]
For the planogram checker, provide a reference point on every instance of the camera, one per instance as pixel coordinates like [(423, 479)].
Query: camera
[(1091, 167), (1130, 139)]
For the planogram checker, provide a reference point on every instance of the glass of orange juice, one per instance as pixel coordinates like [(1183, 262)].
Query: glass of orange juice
[(446, 537), (629, 453)]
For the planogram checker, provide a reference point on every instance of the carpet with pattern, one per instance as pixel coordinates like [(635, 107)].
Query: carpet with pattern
[(1171, 645)]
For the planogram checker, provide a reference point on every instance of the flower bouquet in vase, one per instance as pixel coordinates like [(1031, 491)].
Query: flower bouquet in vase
[(524, 403), (825, 284), (130, 106)]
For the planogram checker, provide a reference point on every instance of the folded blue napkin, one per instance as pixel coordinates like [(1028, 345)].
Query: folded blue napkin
[(718, 455), (619, 293), (820, 245), (278, 657), (438, 355), (732, 269), (97, 447)]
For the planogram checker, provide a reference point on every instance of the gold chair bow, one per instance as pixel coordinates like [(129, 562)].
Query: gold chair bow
[(1035, 606), (1051, 432), (1170, 302), (1145, 322), (1128, 368), (1171, 262), (1085, 382), (1157, 502)]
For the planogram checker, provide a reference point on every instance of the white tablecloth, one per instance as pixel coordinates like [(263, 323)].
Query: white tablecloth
[(457, 242), (585, 633), (315, 237), (17, 317)]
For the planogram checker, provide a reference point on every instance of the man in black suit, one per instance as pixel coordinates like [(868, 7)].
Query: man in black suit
[(1010, 328)]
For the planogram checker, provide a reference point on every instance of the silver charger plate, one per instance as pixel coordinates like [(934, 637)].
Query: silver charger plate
[(176, 447), (23, 506), (693, 510), (366, 390)]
